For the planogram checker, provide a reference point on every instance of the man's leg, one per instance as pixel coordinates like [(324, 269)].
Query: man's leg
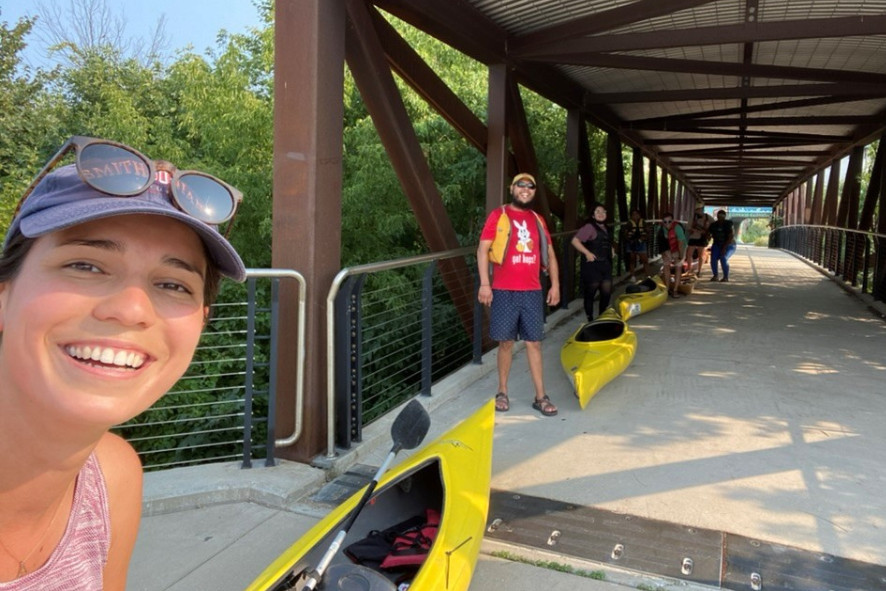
[(505, 356), (541, 403), (533, 355), (503, 328), (727, 252)]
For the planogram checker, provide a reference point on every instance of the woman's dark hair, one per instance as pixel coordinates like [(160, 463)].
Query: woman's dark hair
[(13, 258), (590, 218)]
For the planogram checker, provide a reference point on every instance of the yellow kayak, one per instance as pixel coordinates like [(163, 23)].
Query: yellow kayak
[(449, 478), (596, 353), (641, 297)]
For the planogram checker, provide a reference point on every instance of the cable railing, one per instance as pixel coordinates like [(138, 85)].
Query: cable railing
[(223, 407), (856, 258), (394, 328)]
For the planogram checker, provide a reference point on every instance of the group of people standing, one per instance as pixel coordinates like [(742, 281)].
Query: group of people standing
[(515, 248)]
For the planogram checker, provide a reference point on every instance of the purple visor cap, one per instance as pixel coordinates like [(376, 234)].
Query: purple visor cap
[(62, 200)]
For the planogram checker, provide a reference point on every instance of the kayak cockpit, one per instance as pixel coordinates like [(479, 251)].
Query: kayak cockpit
[(409, 495), (600, 330), (647, 284)]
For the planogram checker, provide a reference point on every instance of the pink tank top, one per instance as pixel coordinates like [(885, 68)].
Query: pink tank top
[(77, 563)]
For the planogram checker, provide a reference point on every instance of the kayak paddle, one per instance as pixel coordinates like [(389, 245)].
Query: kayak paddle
[(407, 432)]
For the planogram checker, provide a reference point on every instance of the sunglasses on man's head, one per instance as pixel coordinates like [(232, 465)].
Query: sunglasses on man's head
[(120, 171), (667, 221), (525, 184)]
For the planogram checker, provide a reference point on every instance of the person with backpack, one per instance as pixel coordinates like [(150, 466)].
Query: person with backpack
[(672, 246), (635, 241), (723, 233), (592, 241), (698, 238), (515, 246)]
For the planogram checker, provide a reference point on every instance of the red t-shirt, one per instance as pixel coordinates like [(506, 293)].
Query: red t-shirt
[(520, 268)]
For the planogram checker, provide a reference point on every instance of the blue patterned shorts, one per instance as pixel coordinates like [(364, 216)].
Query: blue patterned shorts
[(517, 315)]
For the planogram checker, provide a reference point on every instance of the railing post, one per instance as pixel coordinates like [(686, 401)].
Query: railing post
[(250, 373), (348, 369), (427, 328), (478, 327), (272, 374), (866, 264)]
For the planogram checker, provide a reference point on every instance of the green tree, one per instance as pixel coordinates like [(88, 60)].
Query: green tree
[(28, 114)]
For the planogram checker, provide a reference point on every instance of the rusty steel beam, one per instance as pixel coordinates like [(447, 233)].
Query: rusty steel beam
[(710, 67), (586, 168), (598, 22), (420, 77), (306, 235), (874, 191), (454, 22), (739, 92), (366, 59), (747, 32)]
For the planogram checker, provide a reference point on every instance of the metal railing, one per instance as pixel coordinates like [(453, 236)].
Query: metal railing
[(857, 258), (223, 407), (394, 328)]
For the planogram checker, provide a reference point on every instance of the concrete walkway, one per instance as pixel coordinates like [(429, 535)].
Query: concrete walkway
[(753, 407)]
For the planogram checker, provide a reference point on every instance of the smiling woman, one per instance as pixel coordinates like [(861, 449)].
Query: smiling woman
[(103, 295)]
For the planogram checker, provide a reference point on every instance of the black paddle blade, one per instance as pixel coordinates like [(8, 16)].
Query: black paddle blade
[(410, 426)]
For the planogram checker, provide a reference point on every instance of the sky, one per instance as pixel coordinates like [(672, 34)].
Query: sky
[(194, 22)]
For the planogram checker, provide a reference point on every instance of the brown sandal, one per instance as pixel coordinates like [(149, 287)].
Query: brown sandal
[(545, 406), (502, 404)]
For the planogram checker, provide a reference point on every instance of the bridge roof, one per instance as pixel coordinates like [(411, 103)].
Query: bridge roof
[(742, 100)]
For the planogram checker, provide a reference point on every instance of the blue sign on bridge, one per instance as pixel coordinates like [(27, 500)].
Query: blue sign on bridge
[(749, 212), (745, 212)]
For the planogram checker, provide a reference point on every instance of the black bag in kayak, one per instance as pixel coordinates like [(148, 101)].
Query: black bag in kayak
[(403, 545)]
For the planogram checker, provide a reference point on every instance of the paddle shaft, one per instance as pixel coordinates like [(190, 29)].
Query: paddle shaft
[(317, 575)]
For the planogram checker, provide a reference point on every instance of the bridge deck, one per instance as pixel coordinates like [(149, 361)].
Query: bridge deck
[(753, 407)]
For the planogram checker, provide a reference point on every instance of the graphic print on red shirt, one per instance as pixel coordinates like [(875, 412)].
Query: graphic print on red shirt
[(520, 268)]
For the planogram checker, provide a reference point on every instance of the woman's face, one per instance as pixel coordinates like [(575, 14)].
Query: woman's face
[(102, 318), (600, 213)]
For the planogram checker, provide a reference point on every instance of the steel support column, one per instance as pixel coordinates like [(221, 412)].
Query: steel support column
[(574, 125), (874, 192), (648, 204), (656, 208), (308, 89), (586, 168), (830, 218), (818, 192), (638, 189), (497, 136)]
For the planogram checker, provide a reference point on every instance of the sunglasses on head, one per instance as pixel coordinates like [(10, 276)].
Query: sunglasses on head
[(525, 184), (667, 221), (120, 171)]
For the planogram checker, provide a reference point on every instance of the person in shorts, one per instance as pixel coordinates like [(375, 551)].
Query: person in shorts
[(512, 287)]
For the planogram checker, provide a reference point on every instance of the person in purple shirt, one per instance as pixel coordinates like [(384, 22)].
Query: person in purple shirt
[(594, 243)]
